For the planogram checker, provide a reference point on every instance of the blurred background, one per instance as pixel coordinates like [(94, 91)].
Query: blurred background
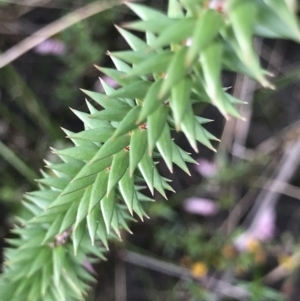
[(233, 225)]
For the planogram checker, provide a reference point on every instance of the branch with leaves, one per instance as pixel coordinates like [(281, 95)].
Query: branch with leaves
[(97, 189)]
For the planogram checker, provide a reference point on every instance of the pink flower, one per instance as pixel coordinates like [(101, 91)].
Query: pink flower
[(206, 168), (263, 229), (200, 206), (51, 46)]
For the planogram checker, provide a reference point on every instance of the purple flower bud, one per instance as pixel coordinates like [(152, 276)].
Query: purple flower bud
[(201, 206), (51, 46)]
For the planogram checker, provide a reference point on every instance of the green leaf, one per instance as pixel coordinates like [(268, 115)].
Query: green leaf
[(82, 153), (135, 90), (128, 123), (158, 183), (180, 96), (59, 183), (175, 9), (119, 166), (112, 114), (94, 168), (77, 235), (211, 63), (145, 12), (201, 136), (70, 217), (104, 101), (134, 42), (281, 9), (132, 57), (120, 65), (178, 160), (126, 188), (175, 33), (112, 146), (83, 207), (101, 231), (66, 199), (152, 101), (89, 122), (38, 262), (188, 127), (146, 166), (153, 63), (96, 135), (107, 208), (46, 276), (115, 223), (54, 227), (164, 145), (154, 26), (67, 168), (92, 222), (99, 189), (155, 125), (59, 255), (76, 185), (138, 146), (176, 71), (205, 31), (116, 75)]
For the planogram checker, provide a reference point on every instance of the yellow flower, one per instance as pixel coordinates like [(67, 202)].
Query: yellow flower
[(229, 251), (288, 262), (199, 269), (253, 246)]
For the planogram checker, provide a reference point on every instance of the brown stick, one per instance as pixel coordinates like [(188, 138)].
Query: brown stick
[(55, 27)]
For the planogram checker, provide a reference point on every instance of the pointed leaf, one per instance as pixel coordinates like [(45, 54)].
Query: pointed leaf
[(154, 26), (101, 231), (145, 12), (107, 208), (54, 227), (135, 90), (178, 160), (59, 254), (179, 99), (99, 189), (115, 223), (112, 146), (175, 33), (95, 135), (118, 168), (94, 168), (152, 101), (164, 145), (188, 127), (83, 207), (128, 123), (83, 153), (206, 29), (92, 222), (154, 63), (138, 145), (176, 71), (146, 166), (134, 42), (77, 235), (104, 101), (70, 217), (158, 183), (111, 114), (126, 188)]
